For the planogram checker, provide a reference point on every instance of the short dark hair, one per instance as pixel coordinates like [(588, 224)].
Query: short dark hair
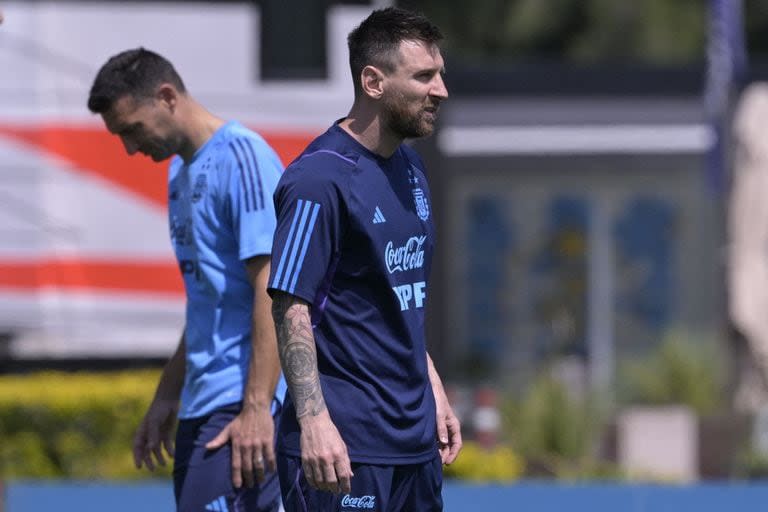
[(376, 40), (135, 72)]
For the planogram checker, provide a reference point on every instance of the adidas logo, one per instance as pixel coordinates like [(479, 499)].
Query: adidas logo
[(378, 217), (218, 505)]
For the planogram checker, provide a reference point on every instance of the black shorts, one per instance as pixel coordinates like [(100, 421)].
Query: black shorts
[(202, 479), (402, 488)]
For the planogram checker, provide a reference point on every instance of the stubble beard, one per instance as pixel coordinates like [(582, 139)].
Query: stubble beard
[(162, 149), (404, 123)]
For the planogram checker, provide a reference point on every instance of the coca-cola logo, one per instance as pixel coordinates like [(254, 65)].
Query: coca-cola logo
[(406, 257), (358, 502)]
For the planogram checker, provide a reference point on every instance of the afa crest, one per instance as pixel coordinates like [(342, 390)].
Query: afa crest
[(422, 206), (201, 185)]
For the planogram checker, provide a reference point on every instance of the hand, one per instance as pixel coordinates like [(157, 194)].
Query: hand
[(155, 432), (448, 429), (324, 455), (251, 434)]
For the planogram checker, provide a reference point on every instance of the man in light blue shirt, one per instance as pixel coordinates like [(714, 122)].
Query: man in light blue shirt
[(224, 381)]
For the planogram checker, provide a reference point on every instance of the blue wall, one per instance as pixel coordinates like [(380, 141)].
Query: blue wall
[(523, 497), (546, 497)]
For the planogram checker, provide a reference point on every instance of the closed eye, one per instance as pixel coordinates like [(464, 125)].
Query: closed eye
[(425, 76)]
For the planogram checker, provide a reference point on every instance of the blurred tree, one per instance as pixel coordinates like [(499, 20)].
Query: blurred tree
[(756, 22), (657, 31), (652, 31)]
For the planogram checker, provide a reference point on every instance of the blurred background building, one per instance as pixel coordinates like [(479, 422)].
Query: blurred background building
[(569, 170)]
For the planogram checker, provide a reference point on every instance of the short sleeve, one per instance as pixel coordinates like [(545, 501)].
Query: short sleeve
[(309, 205), (255, 171)]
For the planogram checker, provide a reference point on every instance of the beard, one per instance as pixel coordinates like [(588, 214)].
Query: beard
[(160, 155), (160, 149), (405, 123)]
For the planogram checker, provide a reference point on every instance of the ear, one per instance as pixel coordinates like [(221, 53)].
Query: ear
[(372, 82), (168, 96)]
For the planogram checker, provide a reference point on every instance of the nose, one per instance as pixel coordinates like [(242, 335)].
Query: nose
[(438, 87)]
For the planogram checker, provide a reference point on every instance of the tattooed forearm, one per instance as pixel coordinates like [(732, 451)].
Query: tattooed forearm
[(298, 354)]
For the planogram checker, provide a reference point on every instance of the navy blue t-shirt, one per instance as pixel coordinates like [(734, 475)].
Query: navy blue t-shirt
[(355, 239)]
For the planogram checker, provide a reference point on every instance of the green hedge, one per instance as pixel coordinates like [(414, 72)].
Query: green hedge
[(72, 425), (683, 369), (81, 425), (498, 465)]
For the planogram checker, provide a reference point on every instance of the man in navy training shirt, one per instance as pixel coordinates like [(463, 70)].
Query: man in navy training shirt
[(223, 382), (366, 423)]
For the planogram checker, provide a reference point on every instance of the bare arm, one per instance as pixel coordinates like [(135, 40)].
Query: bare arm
[(448, 427), (156, 429), (264, 367), (324, 455), (252, 431), (172, 378), (298, 354)]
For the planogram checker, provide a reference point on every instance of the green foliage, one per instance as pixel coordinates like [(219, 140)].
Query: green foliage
[(756, 21), (556, 432), (72, 425), (549, 423), (590, 468), (499, 465), (680, 371), (23, 454), (653, 31), (642, 31), (752, 465)]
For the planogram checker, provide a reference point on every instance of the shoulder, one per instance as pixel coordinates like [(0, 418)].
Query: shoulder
[(313, 178), (237, 142), (323, 163), (239, 149), (238, 133)]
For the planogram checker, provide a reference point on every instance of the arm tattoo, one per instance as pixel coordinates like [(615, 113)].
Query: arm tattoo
[(298, 354)]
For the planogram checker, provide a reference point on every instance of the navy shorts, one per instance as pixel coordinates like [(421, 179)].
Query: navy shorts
[(202, 479), (407, 488)]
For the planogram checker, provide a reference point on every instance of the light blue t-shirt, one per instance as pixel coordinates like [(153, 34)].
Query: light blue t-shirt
[(221, 213)]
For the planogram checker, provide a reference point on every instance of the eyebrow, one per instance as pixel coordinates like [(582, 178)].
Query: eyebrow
[(433, 70)]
